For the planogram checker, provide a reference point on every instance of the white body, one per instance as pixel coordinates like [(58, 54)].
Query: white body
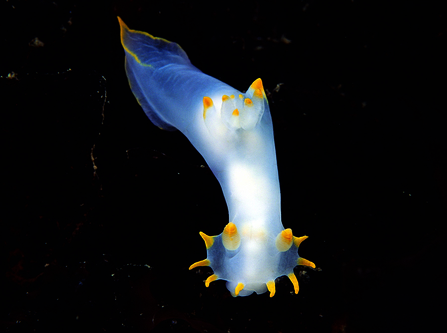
[(234, 134)]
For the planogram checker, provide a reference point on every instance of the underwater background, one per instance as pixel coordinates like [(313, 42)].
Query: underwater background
[(102, 210)]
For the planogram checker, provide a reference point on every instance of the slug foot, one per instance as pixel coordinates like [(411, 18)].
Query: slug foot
[(235, 257)]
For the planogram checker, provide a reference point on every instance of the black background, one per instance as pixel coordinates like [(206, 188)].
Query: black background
[(361, 149)]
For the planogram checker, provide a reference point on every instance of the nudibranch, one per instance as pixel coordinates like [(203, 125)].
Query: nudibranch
[(234, 133)]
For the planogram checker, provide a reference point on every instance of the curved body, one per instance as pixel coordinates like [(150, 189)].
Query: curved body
[(234, 133)]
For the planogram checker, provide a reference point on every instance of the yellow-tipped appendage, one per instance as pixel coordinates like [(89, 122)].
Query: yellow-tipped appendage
[(207, 103), (271, 287), (294, 280), (239, 287), (299, 240), (257, 85), (209, 240), (204, 262), (305, 262), (231, 238), (284, 240), (210, 279)]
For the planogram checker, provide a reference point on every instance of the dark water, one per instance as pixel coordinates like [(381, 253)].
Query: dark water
[(357, 93)]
